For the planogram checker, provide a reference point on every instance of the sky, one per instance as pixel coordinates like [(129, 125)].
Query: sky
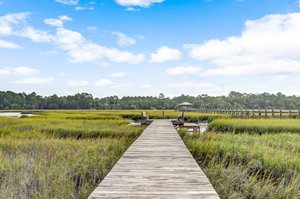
[(147, 47)]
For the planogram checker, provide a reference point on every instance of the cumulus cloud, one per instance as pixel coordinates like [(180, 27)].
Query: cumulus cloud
[(20, 70), (35, 80), (16, 25), (164, 54), (4, 71), (57, 22), (103, 83), (80, 8), (23, 70), (68, 2), (78, 48), (8, 44), (146, 86), (77, 83), (81, 50), (283, 77), (10, 22), (269, 45), (196, 88), (118, 75), (138, 3), (183, 70), (124, 40), (92, 29)]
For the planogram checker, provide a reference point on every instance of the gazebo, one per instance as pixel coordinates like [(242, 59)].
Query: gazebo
[(185, 106)]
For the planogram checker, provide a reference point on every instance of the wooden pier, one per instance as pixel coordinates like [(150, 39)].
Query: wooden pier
[(156, 165)]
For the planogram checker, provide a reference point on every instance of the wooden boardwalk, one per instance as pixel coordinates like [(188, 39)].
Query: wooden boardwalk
[(156, 165)]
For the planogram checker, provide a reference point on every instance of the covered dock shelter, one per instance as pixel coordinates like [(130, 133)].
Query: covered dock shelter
[(185, 106)]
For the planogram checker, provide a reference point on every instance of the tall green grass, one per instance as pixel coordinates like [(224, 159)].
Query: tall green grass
[(60, 154), (256, 125), (249, 166), (55, 168)]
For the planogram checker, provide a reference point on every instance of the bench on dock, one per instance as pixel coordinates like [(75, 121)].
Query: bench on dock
[(179, 121), (145, 119)]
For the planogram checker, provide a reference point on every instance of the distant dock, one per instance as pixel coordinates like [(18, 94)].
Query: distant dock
[(156, 165)]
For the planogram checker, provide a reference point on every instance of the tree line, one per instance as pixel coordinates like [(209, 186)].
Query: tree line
[(12, 100)]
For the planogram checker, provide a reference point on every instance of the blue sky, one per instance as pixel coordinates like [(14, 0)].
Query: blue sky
[(144, 47)]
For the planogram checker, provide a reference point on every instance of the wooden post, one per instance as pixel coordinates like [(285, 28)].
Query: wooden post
[(273, 114), (163, 114), (259, 113), (266, 113), (280, 113), (290, 113), (253, 114)]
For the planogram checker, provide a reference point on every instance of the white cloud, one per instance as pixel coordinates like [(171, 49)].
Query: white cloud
[(124, 40), (81, 50), (8, 44), (77, 47), (92, 29), (164, 54), (34, 81), (20, 70), (4, 71), (23, 70), (133, 9), (79, 8), (269, 45), (10, 22), (193, 85), (16, 25), (77, 83), (196, 88), (36, 35), (118, 75), (103, 83), (146, 86), (58, 22), (138, 3), (283, 77), (184, 70), (68, 2)]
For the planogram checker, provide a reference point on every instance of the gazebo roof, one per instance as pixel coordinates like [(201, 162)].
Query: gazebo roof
[(185, 104)]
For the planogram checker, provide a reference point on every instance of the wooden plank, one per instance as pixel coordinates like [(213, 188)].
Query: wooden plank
[(156, 165)]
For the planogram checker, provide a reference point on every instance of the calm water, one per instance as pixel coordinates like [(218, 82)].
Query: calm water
[(15, 114)]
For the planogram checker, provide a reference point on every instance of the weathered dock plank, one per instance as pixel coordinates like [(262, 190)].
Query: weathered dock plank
[(156, 165)]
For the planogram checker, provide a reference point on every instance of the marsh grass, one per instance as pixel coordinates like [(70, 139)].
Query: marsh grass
[(55, 168), (256, 125), (60, 154), (66, 154), (249, 166)]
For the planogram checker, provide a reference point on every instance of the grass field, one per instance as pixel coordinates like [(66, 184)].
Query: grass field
[(66, 154), (256, 125), (60, 154), (249, 166)]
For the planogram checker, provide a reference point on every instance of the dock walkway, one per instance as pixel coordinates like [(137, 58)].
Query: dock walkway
[(156, 165)]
